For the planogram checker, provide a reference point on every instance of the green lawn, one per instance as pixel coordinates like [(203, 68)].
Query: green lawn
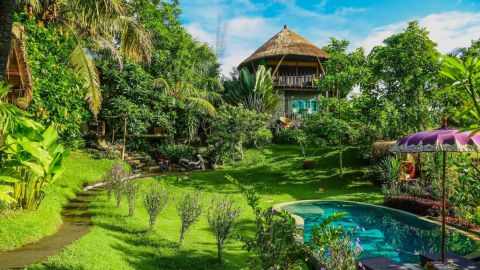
[(119, 242), (18, 228)]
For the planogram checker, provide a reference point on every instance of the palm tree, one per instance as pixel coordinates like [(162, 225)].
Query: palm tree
[(196, 97), (255, 94), (101, 28), (463, 74)]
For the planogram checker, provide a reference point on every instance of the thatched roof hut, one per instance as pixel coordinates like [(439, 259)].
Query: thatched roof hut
[(19, 74), (287, 43), (380, 149)]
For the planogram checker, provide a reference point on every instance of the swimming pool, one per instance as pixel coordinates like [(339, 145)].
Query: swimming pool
[(383, 231)]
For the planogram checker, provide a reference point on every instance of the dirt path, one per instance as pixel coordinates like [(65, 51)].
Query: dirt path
[(76, 223)]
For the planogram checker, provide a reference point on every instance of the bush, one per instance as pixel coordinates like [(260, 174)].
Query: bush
[(223, 215), (114, 181), (130, 190), (419, 206), (286, 136), (154, 201), (262, 137), (189, 208), (175, 152)]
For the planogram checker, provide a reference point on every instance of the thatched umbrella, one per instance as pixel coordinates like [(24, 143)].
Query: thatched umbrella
[(442, 140)]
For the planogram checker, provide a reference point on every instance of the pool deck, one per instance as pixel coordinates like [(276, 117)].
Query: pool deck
[(473, 234)]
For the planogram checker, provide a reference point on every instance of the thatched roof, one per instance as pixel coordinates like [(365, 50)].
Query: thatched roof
[(19, 74), (286, 42)]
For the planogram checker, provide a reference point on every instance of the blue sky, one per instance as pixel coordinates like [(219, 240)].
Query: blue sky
[(249, 23)]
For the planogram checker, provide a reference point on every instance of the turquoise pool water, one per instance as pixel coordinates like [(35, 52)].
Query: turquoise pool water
[(383, 231)]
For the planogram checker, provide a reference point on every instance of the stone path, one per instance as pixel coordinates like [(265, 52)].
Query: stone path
[(76, 223)]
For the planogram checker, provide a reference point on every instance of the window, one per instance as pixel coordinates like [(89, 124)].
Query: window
[(303, 105)]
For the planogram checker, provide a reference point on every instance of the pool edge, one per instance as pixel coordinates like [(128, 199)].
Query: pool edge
[(300, 222)]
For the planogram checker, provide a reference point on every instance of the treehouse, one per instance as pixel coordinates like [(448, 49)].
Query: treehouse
[(295, 64), (18, 71)]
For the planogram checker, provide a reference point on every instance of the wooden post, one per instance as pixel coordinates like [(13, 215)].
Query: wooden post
[(124, 138), (321, 66), (278, 65), (444, 204)]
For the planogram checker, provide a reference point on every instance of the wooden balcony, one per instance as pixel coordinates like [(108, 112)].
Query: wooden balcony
[(300, 81)]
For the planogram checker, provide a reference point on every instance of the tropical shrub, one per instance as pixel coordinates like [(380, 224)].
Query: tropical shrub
[(131, 190), (31, 160), (231, 129), (262, 137), (333, 245), (189, 209), (274, 244), (175, 152), (256, 94), (155, 200), (223, 214), (285, 136), (388, 169)]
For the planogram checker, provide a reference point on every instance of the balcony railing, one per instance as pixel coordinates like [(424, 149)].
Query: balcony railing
[(301, 81)]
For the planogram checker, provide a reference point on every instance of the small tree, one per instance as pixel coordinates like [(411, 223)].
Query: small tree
[(114, 184), (189, 209), (222, 216), (155, 200), (130, 190)]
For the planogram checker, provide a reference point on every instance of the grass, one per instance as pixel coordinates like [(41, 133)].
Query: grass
[(18, 228), (119, 242)]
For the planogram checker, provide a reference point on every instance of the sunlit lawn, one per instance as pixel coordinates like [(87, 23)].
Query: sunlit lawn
[(20, 227), (120, 242)]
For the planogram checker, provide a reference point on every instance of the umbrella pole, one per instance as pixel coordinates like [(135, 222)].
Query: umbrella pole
[(444, 205)]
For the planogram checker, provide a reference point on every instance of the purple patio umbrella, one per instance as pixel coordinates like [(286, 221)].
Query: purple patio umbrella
[(444, 140)]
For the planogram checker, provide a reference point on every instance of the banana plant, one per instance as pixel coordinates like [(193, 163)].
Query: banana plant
[(32, 159)]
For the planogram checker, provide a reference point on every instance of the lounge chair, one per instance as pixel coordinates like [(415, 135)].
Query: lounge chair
[(380, 263), (460, 262)]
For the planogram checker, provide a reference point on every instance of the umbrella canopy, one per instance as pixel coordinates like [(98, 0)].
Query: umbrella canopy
[(442, 140)]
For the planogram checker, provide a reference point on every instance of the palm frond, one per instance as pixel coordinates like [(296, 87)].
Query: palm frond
[(83, 65), (136, 43)]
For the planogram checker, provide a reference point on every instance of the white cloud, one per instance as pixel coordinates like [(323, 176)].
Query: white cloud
[(199, 34), (450, 30), (344, 11)]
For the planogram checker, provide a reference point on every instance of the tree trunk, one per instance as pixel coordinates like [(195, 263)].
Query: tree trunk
[(7, 7), (219, 251)]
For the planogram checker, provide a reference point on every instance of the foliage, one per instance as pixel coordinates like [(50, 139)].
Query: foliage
[(31, 160), (231, 129), (404, 71), (333, 245), (175, 152), (130, 190), (462, 75), (155, 200), (10, 115), (388, 170), (262, 137), (189, 209), (114, 181), (274, 244), (58, 95), (104, 29), (23, 227), (327, 125), (287, 136), (256, 94), (223, 214)]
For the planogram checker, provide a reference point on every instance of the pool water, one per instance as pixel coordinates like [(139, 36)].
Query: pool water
[(383, 231)]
